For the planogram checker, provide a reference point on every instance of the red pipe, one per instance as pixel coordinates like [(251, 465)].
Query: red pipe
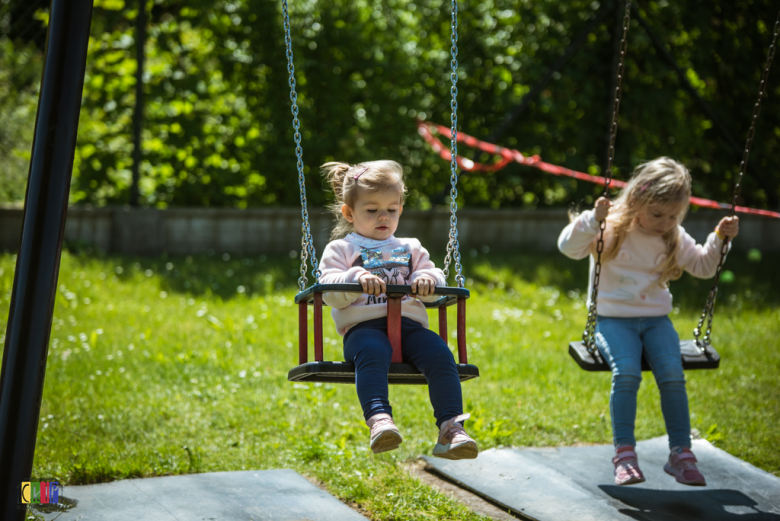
[(394, 327), (443, 323), (303, 333), (318, 327), (462, 357)]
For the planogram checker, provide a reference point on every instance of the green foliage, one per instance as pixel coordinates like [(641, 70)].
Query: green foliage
[(218, 123), (20, 70)]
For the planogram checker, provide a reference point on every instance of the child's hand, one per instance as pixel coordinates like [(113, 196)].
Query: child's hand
[(601, 208), (728, 227), (424, 285), (372, 285)]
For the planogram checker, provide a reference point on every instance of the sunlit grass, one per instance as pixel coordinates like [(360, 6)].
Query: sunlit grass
[(165, 366)]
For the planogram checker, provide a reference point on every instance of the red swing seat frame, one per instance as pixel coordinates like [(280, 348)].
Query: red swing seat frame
[(400, 373)]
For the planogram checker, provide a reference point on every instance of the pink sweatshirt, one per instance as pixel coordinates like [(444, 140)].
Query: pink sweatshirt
[(397, 261), (628, 286)]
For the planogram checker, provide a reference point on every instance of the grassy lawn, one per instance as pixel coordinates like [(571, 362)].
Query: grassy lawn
[(176, 365)]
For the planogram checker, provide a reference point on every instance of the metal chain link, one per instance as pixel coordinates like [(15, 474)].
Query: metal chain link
[(708, 313), (588, 335), (453, 247), (307, 244)]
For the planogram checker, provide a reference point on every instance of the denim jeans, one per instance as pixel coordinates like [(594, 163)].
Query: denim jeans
[(366, 345), (620, 341)]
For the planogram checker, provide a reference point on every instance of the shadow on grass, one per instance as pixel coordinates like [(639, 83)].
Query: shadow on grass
[(752, 280)]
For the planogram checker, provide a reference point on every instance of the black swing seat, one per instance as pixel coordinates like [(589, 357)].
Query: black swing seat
[(692, 357), (448, 295), (344, 373)]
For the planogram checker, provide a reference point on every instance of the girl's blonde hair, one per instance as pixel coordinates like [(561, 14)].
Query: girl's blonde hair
[(662, 181), (347, 180)]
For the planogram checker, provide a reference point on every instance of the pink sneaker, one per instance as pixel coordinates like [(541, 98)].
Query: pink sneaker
[(627, 470), (453, 442), (384, 433), (682, 465)]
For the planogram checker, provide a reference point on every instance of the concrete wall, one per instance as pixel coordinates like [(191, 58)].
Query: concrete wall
[(278, 230)]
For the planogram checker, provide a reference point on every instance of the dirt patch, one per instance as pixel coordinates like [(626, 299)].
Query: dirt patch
[(419, 469)]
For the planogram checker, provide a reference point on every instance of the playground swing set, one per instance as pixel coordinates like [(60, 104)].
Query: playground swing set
[(696, 354), (400, 373), (37, 265)]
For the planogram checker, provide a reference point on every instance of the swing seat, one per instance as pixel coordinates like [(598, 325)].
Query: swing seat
[(400, 373), (692, 357), (344, 373)]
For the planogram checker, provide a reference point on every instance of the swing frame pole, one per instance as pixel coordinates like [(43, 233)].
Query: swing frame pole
[(38, 261)]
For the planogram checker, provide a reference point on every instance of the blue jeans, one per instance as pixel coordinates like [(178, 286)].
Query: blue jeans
[(620, 342), (366, 345)]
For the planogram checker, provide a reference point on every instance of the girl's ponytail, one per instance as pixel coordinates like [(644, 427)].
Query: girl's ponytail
[(334, 173)]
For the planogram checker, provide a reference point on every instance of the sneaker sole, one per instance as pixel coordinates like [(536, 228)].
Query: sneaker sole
[(668, 469), (386, 441), (466, 450), (631, 481)]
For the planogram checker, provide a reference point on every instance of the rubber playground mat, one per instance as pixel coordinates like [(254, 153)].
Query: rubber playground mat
[(576, 484), (279, 495)]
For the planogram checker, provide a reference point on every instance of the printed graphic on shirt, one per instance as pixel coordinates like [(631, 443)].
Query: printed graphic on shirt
[(396, 270), (621, 294)]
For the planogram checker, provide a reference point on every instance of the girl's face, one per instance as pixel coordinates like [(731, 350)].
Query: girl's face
[(657, 219), (375, 214)]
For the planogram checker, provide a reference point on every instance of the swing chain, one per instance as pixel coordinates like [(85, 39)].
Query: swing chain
[(588, 336), (307, 243), (453, 245), (708, 312)]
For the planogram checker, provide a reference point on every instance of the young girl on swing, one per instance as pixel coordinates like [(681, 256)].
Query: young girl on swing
[(363, 249), (644, 248)]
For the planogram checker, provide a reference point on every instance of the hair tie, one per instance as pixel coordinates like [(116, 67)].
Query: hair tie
[(644, 187), (355, 177)]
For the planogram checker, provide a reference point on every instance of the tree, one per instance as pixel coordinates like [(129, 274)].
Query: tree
[(218, 123)]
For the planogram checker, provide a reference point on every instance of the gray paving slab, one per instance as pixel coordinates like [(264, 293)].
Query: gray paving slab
[(279, 495), (576, 483)]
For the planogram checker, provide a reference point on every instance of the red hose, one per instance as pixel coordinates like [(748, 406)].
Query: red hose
[(507, 155)]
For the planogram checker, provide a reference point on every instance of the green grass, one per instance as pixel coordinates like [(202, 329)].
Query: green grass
[(175, 365)]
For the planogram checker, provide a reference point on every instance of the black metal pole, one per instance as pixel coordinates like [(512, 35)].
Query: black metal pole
[(138, 113), (38, 262)]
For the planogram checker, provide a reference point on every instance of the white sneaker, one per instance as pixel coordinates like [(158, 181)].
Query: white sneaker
[(453, 442), (384, 433)]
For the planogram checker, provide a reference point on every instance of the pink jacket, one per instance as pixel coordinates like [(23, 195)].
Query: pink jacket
[(628, 286), (397, 261)]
